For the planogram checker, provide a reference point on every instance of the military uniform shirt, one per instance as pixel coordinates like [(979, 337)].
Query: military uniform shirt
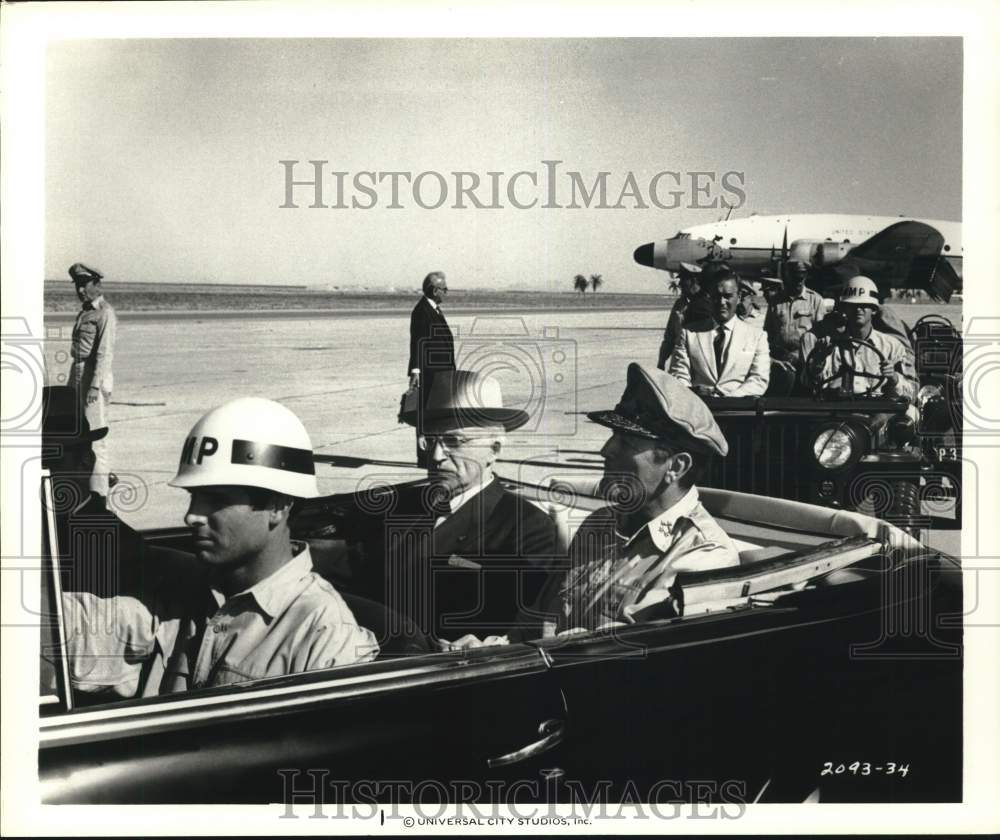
[(290, 622), (788, 319), (615, 578), (863, 360), (93, 346)]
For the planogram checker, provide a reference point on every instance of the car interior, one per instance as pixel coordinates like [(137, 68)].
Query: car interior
[(784, 546)]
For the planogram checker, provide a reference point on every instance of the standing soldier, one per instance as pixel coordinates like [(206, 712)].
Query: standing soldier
[(790, 315), (93, 352)]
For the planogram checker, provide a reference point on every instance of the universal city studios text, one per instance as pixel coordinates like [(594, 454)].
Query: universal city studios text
[(314, 184)]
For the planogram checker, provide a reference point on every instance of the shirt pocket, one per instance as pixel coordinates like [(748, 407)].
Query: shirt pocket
[(86, 332)]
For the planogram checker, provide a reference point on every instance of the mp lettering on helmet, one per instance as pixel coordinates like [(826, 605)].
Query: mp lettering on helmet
[(208, 447)]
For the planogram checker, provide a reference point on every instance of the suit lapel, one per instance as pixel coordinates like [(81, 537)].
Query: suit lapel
[(735, 341), (462, 533), (706, 341)]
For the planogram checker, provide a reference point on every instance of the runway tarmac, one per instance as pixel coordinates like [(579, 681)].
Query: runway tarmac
[(344, 377)]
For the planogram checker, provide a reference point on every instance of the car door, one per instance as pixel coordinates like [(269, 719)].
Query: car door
[(758, 700), (426, 723), (427, 720)]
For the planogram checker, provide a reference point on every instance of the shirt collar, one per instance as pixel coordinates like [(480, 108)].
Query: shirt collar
[(274, 592), (475, 490), (96, 303), (728, 326), (432, 302), (661, 528)]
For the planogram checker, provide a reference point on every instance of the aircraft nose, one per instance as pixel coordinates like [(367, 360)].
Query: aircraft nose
[(644, 255)]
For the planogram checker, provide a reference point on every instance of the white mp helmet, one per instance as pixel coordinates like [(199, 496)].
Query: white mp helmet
[(861, 290), (249, 442)]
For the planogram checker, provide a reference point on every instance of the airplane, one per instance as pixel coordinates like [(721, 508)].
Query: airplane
[(895, 252)]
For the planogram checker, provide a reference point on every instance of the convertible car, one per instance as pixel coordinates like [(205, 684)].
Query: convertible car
[(827, 666)]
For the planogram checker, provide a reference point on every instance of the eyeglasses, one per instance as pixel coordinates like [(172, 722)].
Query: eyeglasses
[(449, 442)]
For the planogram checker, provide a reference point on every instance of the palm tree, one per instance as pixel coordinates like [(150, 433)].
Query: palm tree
[(580, 283), (595, 281)]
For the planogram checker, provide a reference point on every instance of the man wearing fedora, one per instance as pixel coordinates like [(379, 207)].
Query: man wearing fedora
[(432, 345), (100, 553), (691, 305), (93, 351), (468, 554)]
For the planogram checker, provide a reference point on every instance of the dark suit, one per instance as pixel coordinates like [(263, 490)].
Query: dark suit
[(473, 573), (432, 349), (432, 346)]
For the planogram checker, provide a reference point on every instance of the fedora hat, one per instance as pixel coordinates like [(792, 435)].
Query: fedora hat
[(464, 398), (63, 418)]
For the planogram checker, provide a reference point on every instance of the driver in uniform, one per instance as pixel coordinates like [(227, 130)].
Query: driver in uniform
[(839, 356), (253, 607)]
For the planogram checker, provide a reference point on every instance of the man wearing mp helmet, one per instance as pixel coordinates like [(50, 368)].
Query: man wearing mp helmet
[(837, 354), (254, 607)]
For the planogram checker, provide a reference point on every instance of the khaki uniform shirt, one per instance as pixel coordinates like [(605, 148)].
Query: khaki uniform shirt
[(863, 360), (93, 347), (788, 319), (292, 621), (617, 578)]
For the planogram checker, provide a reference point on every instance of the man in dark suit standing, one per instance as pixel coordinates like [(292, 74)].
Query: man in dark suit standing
[(432, 346)]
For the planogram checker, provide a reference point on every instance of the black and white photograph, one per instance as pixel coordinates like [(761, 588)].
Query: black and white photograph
[(433, 421)]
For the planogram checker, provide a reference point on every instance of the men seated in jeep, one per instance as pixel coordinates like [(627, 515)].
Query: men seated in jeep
[(855, 357), (723, 356), (792, 312)]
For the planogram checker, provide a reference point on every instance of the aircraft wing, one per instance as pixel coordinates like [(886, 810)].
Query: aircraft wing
[(907, 255)]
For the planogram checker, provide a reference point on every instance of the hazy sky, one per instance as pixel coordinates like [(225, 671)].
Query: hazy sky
[(162, 156)]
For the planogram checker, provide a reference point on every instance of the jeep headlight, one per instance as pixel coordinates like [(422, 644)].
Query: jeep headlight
[(834, 447)]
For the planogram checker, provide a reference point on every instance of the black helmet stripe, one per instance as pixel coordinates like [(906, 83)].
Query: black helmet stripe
[(254, 454)]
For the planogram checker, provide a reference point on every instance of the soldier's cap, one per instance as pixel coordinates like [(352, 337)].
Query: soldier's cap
[(658, 406), (715, 271), (767, 277), (462, 399), (63, 418), (690, 268), (82, 274), (798, 265)]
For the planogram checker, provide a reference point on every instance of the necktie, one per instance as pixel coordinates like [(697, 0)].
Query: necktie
[(720, 346)]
